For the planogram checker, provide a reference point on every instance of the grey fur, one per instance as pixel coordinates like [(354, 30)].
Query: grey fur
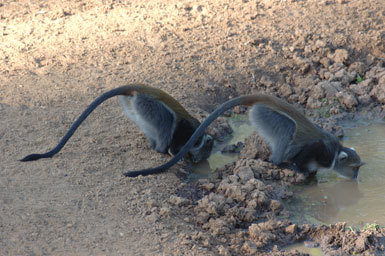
[(155, 119), (269, 124)]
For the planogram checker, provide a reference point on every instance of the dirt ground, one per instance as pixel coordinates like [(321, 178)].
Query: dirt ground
[(57, 56)]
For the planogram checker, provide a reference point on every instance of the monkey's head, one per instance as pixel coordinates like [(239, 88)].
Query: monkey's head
[(202, 149), (348, 163)]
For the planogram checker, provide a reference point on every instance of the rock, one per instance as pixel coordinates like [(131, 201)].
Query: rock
[(252, 204), (223, 250), (254, 231), (178, 201), (345, 77), (347, 100), (328, 89), (335, 110), (207, 186), (375, 72), (304, 64), (305, 83), (378, 90), (217, 226), (164, 211), (285, 90), (313, 103), (250, 248), (319, 44), (261, 197), (153, 217), (151, 203), (247, 215), (361, 244), (219, 199), (255, 148), (291, 229), (258, 184), (288, 172), (326, 62), (265, 80), (318, 92), (202, 217), (357, 67), (340, 56), (233, 191), (275, 205), (299, 178), (364, 100), (335, 68), (245, 173), (212, 204), (362, 88), (326, 240)]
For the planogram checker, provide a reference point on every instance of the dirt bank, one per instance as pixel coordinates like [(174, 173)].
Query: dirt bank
[(56, 57)]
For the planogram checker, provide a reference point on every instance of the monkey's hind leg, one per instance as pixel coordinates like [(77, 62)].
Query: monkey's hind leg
[(276, 129)]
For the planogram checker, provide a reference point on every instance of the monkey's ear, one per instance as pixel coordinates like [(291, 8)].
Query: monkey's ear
[(342, 156)]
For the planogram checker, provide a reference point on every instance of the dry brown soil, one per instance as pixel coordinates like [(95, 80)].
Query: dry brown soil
[(57, 56)]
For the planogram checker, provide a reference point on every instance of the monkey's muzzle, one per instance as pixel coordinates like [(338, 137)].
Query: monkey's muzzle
[(203, 150), (355, 172)]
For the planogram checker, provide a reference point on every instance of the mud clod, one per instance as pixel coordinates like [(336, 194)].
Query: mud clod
[(178, 201), (340, 56), (347, 100)]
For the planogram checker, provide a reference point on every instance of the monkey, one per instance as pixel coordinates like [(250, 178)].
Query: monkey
[(163, 120), (294, 141)]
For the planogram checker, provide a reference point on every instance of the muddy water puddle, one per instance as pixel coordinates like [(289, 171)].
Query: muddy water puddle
[(332, 199), (316, 251)]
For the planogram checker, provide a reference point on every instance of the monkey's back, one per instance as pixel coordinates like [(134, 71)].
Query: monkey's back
[(305, 129), (166, 99)]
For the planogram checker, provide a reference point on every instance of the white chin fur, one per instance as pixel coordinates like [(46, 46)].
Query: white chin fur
[(342, 155)]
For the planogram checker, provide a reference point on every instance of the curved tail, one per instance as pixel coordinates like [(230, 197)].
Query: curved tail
[(124, 90), (194, 137)]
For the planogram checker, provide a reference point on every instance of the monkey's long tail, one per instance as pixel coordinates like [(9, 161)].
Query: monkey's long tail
[(244, 100), (114, 92)]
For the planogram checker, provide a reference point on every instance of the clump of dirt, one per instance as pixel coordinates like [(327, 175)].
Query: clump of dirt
[(255, 148)]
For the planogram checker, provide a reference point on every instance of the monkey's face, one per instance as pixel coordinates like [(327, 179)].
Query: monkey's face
[(202, 149), (348, 163)]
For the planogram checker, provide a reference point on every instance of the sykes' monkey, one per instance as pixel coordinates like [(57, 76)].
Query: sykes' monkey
[(165, 123), (294, 141)]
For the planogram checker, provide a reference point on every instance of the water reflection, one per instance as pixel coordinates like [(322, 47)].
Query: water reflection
[(324, 201), (303, 249)]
